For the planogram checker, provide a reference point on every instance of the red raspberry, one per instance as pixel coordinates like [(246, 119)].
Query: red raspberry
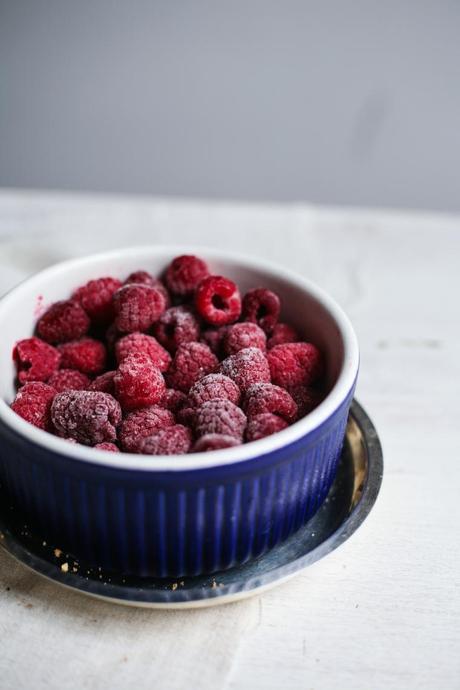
[(96, 298), (86, 355), (104, 383), (213, 338), (107, 446), (175, 440), (191, 362), (242, 335), (281, 334), (146, 344), (264, 424), (175, 327), (262, 306), (138, 382), (246, 367), (33, 403), (173, 400), (218, 301), (35, 360), (212, 387), (63, 321), (265, 397), (89, 417), (186, 415), (139, 424), (220, 417), (144, 278), (306, 397), (214, 442), (69, 380), (137, 307), (184, 273), (295, 364)]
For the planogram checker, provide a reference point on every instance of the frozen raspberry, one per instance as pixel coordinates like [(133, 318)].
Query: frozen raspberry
[(146, 344), (264, 424), (175, 327), (186, 415), (191, 362), (139, 424), (96, 298), (306, 397), (104, 383), (261, 306), (242, 335), (295, 364), (138, 382), (137, 307), (89, 417), (107, 446), (144, 278), (246, 367), (35, 360), (215, 442), (184, 273), (69, 380), (281, 334), (212, 387), (175, 440), (86, 355), (218, 301), (63, 321), (33, 403), (173, 400), (265, 397), (220, 417), (213, 338)]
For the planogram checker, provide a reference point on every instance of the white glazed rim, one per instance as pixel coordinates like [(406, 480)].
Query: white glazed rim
[(227, 456)]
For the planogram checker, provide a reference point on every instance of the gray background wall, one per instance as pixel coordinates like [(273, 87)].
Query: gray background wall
[(332, 101)]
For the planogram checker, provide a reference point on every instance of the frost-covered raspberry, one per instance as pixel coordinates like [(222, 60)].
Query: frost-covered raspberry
[(281, 334), (89, 417), (107, 446), (33, 403), (175, 327), (215, 442), (246, 367), (63, 321), (186, 415), (212, 387), (266, 397), (191, 362), (264, 424), (146, 344), (173, 400), (138, 382), (69, 380), (175, 440), (96, 298), (242, 335), (145, 278), (213, 338), (262, 306), (295, 364), (220, 417), (137, 307), (139, 424), (306, 397), (184, 273), (35, 360), (104, 383), (86, 355), (218, 301)]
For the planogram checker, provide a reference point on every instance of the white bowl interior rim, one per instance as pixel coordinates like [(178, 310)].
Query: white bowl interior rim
[(194, 461)]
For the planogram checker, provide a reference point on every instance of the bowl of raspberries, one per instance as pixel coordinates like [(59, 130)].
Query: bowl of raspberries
[(171, 413)]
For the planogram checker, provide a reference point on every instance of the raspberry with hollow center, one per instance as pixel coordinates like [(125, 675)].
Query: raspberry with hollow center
[(106, 445), (212, 387), (146, 344), (137, 307), (86, 355), (175, 440), (63, 321), (139, 424), (262, 306), (242, 335), (218, 300), (175, 327), (220, 417), (266, 397), (35, 360), (281, 334), (69, 380), (184, 273), (215, 442), (145, 278), (191, 362), (246, 367), (89, 417), (264, 424), (104, 383), (306, 397), (295, 364), (96, 298), (138, 382), (33, 403)]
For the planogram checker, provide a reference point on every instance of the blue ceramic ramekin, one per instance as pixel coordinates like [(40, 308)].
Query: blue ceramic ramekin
[(175, 516)]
